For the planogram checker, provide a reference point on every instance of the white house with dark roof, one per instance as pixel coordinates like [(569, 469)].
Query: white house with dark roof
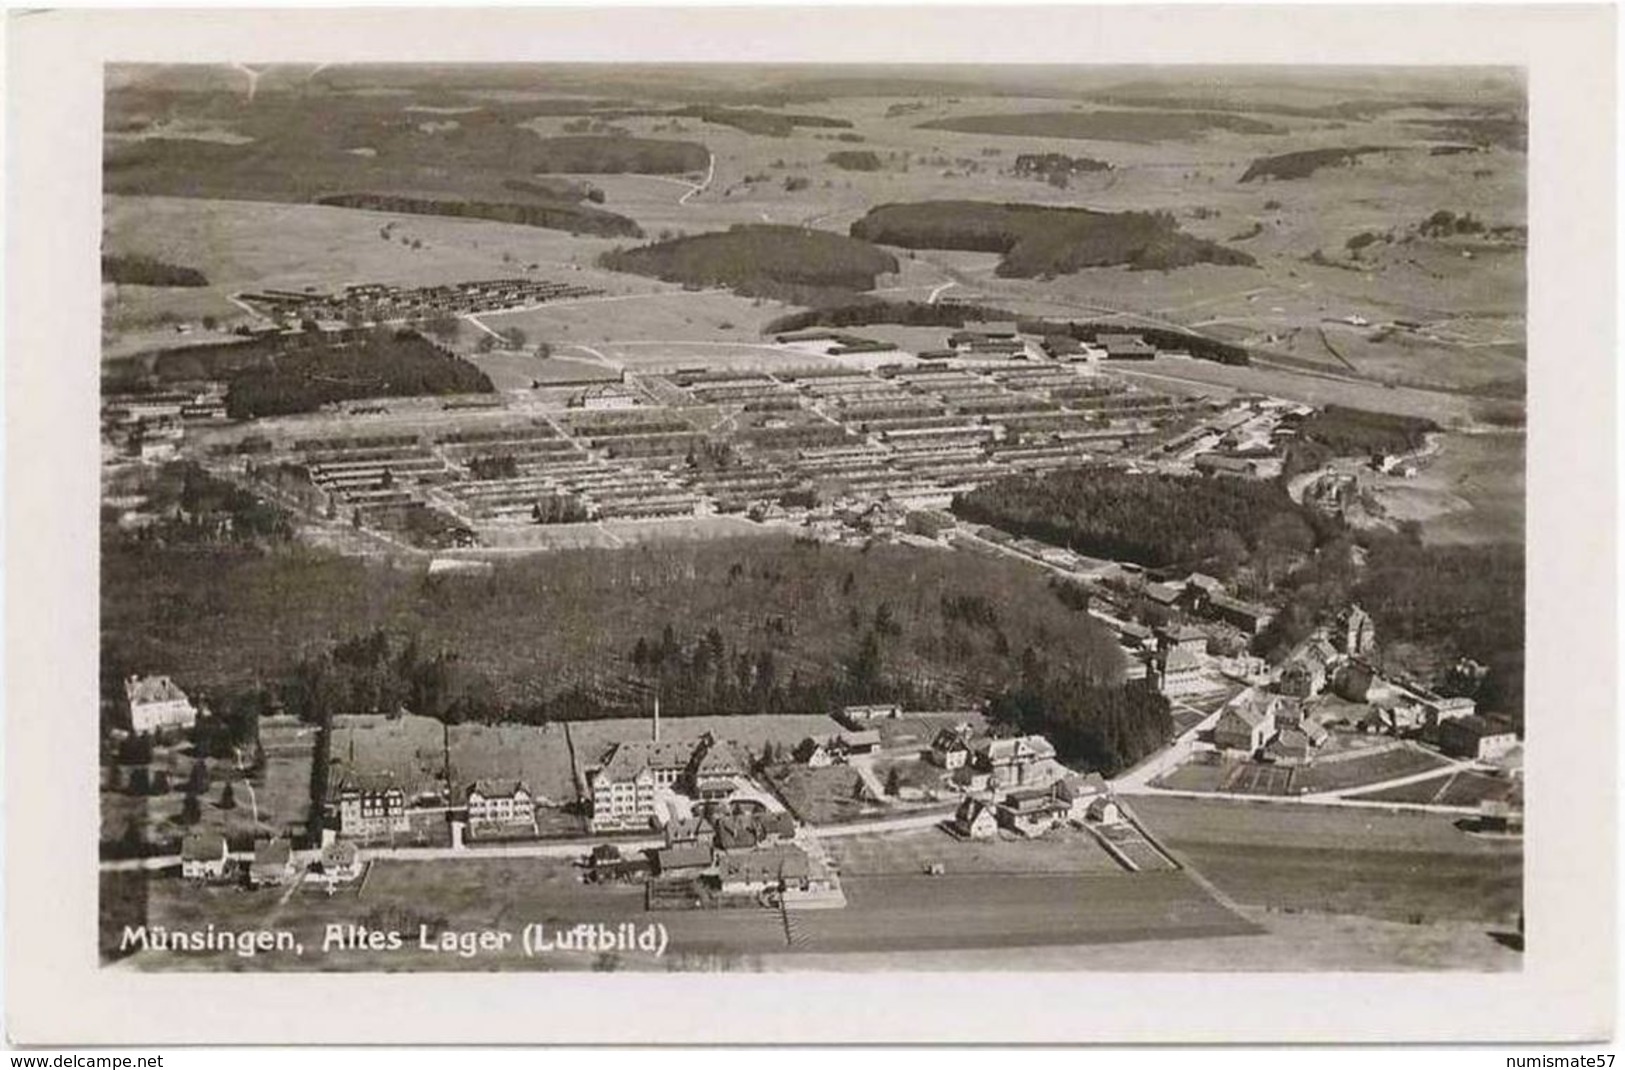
[(203, 856), (506, 804), (156, 703)]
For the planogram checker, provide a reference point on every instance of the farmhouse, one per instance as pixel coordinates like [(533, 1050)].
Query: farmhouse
[(1249, 617), (1246, 723), (951, 748), (1482, 738), (1105, 811), (1309, 667), (975, 820), (866, 741), (203, 856), (156, 703)]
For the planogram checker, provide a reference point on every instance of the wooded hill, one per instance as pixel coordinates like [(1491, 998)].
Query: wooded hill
[(1041, 240), (743, 625), (760, 260)]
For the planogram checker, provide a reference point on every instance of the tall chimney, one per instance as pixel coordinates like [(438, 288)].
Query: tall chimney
[(657, 716)]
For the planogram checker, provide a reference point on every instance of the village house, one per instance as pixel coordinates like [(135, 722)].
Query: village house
[(501, 804), (1309, 667), (1179, 672), (715, 769), (1031, 811), (767, 869), (372, 806), (847, 744), (686, 859), (273, 863), (951, 748), (1009, 761), (341, 861), (1104, 811), (975, 820), (1455, 707), (1249, 617), (1247, 723), (1356, 633), (1480, 738), (1080, 792), (203, 856), (156, 704), (1182, 637)]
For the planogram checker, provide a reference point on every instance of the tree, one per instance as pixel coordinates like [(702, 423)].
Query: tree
[(513, 337), (191, 810), (894, 782), (228, 798), (160, 783), (485, 344), (140, 781), (198, 782)]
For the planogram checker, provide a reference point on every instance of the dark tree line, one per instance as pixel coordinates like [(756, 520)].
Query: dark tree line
[(1153, 520), (1041, 240), (553, 215), (139, 270)]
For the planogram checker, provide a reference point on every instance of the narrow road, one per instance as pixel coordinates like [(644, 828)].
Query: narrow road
[(710, 173)]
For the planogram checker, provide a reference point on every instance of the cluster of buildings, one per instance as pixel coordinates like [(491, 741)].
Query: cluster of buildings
[(631, 788), (380, 303), (151, 427), (1034, 810)]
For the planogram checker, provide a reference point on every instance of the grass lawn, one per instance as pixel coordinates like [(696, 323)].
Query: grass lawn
[(1404, 760), (1401, 866), (1062, 850), (825, 796)]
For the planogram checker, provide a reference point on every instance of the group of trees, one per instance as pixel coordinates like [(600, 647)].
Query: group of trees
[(381, 363), (1134, 126), (137, 270), (1108, 728), (761, 260), (756, 120), (855, 160), (1306, 162), (1042, 240), (553, 215), (1154, 520)]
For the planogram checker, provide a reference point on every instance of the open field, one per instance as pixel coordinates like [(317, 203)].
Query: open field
[(897, 854), (884, 913), (1400, 866), (1466, 788), (1471, 491), (1287, 942), (280, 792), (1366, 769)]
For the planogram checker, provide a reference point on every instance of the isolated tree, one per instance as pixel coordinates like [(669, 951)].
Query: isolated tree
[(140, 781), (228, 798), (191, 810), (160, 783), (894, 782), (198, 782), (485, 344)]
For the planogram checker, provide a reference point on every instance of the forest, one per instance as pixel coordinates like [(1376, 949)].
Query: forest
[(756, 120), (871, 310), (761, 260), (1132, 126), (382, 363), (1104, 728), (588, 633), (1153, 520), (1340, 431), (1302, 164), (855, 160), (555, 215), (1041, 240), (136, 270)]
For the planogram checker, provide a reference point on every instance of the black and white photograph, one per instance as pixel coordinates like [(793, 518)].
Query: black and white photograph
[(848, 517)]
